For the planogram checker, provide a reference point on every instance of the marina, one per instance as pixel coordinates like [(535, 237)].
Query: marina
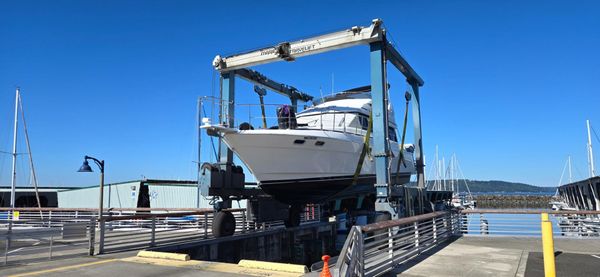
[(336, 185)]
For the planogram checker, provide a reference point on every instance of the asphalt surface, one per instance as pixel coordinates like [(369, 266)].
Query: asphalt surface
[(505, 256), (567, 264)]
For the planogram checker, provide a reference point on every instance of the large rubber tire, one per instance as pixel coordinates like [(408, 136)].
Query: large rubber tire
[(293, 216), (223, 224)]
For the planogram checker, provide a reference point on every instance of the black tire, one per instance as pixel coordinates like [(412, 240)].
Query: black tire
[(293, 216), (223, 224)]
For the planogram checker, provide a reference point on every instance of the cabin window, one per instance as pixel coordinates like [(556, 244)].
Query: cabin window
[(299, 141), (392, 134), (319, 143), (364, 122)]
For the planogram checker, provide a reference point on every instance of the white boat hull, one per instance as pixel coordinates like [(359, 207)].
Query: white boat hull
[(304, 165)]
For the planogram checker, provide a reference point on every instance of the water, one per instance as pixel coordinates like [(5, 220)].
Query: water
[(507, 224)]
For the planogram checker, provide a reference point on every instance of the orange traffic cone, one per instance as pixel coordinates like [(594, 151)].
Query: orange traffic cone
[(325, 272)]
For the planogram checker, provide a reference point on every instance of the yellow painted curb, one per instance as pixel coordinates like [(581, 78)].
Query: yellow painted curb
[(163, 255), (293, 268)]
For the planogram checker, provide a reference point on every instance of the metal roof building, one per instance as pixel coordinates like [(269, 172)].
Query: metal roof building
[(25, 197), (137, 194)]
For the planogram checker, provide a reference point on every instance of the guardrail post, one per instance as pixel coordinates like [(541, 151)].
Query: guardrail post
[(102, 231), (451, 225), (205, 225), (153, 233), (548, 246), (390, 246), (434, 227), (51, 240), (92, 236), (243, 221), (416, 225), (8, 238)]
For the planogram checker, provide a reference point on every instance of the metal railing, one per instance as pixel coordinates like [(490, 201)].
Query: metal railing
[(32, 240), (120, 233), (38, 234), (522, 222), (375, 249), (248, 113)]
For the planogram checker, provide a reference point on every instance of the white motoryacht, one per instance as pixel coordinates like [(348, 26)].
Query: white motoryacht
[(314, 154)]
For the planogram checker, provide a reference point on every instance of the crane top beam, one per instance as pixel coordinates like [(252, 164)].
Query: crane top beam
[(289, 51)]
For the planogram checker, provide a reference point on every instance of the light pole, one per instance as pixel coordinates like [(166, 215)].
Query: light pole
[(85, 167)]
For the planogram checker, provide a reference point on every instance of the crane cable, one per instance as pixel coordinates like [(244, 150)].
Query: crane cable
[(401, 149), (364, 151)]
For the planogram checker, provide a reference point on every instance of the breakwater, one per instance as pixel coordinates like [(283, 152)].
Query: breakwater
[(493, 201)]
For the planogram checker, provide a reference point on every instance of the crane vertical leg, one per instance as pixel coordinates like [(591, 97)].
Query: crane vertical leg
[(418, 135), (226, 117), (380, 126), (226, 113)]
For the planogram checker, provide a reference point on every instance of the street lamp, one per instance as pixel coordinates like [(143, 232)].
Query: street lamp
[(85, 167)]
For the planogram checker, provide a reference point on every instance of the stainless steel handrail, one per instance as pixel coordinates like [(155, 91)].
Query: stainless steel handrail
[(375, 249)]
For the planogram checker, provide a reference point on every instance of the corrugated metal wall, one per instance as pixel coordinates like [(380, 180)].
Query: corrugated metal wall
[(165, 195), (125, 195), (121, 195)]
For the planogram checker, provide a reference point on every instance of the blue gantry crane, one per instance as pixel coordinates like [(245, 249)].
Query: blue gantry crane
[(395, 200)]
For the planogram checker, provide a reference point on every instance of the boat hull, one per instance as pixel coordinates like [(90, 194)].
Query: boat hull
[(307, 166), (319, 190)]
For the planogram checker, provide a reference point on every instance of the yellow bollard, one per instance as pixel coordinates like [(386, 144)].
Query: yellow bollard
[(548, 246)]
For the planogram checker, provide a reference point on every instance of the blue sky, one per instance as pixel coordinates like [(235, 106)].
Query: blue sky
[(508, 84)]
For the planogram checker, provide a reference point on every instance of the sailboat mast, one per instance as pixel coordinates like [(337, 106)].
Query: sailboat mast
[(451, 174), (35, 183), (570, 175), (444, 172), (13, 180), (437, 169), (590, 152)]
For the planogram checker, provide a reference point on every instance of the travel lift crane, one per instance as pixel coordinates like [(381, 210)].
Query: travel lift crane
[(392, 199)]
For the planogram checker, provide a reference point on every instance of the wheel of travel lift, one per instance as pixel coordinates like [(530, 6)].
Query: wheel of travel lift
[(223, 224), (293, 216)]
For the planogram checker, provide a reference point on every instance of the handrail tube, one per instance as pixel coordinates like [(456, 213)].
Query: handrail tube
[(146, 216), (522, 211), (26, 209), (397, 222)]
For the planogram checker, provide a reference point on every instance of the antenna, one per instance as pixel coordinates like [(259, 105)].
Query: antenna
[(590, 151), (321, 91), (332, 82)]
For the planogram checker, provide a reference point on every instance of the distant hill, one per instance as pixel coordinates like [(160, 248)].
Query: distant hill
[(496, 186)]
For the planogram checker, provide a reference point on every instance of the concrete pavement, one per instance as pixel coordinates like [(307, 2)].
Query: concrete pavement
[(504, 256)]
